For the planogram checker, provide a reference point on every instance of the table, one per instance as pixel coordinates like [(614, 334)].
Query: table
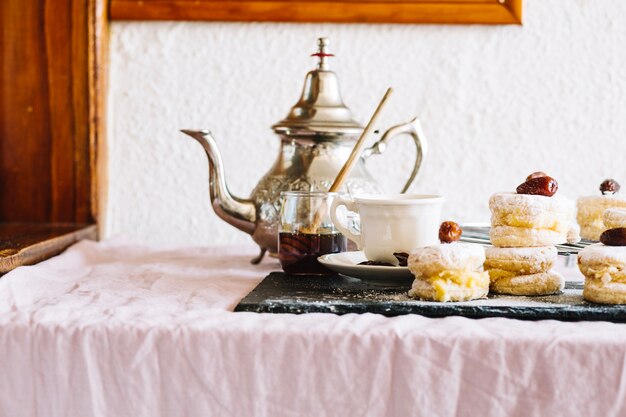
[(114, 328)]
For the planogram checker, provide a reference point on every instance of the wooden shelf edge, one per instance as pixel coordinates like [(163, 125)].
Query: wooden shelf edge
[(346, 11), (516, 9), (29, 243)]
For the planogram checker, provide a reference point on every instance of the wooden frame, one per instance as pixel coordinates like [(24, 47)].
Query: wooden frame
[(52, 108), (341, 11), (52, 120)]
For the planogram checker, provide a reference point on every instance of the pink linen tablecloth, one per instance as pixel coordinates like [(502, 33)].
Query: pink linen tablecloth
[(118, 329)]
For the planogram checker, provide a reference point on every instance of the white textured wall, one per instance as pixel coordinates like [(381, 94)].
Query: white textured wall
[(496, 103)]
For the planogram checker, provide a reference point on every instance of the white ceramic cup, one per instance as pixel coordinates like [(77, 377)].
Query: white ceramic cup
[(390, 223)]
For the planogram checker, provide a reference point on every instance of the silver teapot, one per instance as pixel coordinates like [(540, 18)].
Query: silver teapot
[(317, 137)]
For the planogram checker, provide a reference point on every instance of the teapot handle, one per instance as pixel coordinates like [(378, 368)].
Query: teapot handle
[(412, 128)]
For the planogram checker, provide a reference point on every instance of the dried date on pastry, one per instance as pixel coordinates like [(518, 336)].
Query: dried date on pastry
[(546, 186), (609, 186), (449, 232), (614, 237), (536, 174)]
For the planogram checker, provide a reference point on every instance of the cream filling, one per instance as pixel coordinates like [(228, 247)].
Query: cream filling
[(502, 269), (592, 220), (443, 281), (496, 274), (606, 274), (548, 221)]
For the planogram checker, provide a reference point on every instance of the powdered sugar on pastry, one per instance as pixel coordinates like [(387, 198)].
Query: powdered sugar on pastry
[(431, 260), (600, 201), (543, 283), (573, 234), (604, 268), (614, 217), (590, 212), (524, 230), (444, 291), (599, 253), (536, 212), (530, 204), (449, 272), (509, 236), (520, 261), (605, 293)]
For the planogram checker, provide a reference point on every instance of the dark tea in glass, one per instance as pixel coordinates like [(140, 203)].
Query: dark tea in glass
[(306, 232), (298, 252)]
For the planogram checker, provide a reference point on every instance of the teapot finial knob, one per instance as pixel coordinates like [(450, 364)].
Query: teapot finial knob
[(322, 53)]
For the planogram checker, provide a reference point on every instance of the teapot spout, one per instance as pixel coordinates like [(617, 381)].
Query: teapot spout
[(238, 212)]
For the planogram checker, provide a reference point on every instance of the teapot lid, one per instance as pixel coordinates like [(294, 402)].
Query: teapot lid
[(320, 108)]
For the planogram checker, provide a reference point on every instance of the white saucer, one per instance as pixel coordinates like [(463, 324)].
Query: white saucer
[(347, 263)]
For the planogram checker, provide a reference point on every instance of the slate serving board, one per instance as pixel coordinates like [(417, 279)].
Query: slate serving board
[(282, 293)]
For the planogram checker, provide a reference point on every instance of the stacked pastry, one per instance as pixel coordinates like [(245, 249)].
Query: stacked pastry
[(450, 271), (604, 268), (525, 226), (519, 220), (614, 218), (591, 209), (523, 271)]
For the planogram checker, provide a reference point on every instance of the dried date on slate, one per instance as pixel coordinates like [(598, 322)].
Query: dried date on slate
[(402, 258), (614, 237), (449, 232), (546, 186), (375, 263), (609, 186)]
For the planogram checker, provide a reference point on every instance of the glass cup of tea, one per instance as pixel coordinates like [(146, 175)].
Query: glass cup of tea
[(306, 231)]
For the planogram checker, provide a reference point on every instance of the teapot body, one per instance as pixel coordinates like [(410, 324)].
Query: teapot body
[(317, 138), (304, 163)]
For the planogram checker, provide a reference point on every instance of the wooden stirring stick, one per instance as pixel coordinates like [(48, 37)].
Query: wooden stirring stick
[(347, 167), (356, 151)]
